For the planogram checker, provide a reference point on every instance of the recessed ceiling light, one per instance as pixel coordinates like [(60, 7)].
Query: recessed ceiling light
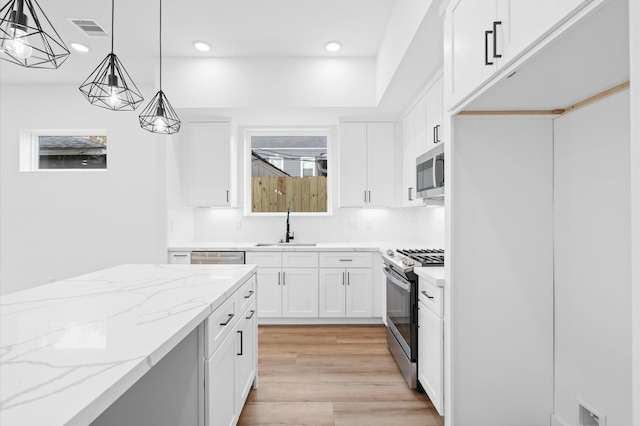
[(79, 47), (201, 46), (333, 46)]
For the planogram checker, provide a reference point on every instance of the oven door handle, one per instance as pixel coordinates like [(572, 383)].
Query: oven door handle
[(403, 285)]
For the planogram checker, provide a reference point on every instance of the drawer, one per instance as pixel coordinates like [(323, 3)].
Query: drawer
[(263, 259), (247, 294), (348, 259), (431, 295), (221, 322), (299, 259)]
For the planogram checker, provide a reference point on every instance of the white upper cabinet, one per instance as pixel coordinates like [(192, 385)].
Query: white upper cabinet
[(481, 36), (433, 113), (470, 58), (208, 164), (367, 153), (526, 21)]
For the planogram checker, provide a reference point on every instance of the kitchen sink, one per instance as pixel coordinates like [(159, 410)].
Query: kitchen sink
[(286, 245)]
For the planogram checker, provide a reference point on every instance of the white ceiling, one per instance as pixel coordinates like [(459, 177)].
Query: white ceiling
[(232, 28)]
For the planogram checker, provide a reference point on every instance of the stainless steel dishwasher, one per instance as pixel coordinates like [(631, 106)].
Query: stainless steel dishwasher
[(217, 257)]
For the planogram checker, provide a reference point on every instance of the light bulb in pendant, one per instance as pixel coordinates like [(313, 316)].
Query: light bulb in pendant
[(18, 46), (114, 100), (160, 124)]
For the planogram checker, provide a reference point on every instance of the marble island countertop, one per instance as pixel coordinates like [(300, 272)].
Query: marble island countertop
[(434, 275), (69, 349)]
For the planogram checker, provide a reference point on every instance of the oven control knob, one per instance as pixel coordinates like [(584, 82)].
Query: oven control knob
[(390, 253)]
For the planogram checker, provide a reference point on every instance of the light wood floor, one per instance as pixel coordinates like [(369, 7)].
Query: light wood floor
[(332, 375)]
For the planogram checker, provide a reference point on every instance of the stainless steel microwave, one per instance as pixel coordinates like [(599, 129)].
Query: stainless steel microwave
[(430, 174)]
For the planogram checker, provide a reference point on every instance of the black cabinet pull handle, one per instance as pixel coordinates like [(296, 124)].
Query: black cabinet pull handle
[(348, 279), (369, 196), (436, 130), (284, 282), (180, 255), (365, 196), (251, 316), (241, 349), (425, 293), (495, 39), (279, 277), (486, 47), (228, 320), (346, 260), (227, 195), (343, 280), (249, 295), (409, 196)]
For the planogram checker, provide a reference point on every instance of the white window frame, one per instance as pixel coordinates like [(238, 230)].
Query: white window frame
[(30, 148), (307, 160), (248, 132)]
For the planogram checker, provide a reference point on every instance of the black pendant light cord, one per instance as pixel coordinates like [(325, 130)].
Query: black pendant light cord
[(112, 19), (161, 45)]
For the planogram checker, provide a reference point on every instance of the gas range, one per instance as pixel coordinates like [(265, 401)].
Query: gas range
[(404, 260)]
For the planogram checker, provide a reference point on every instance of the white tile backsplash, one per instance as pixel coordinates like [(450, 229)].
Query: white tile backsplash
[(420, 225)]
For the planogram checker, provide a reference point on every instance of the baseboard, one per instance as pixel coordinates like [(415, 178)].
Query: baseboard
[(319, 321), (556, 421)]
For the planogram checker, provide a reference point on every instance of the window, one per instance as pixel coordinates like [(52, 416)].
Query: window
[(72, 152), (288, 169)]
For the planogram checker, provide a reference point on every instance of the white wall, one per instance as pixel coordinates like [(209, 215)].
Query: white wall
[(270, 82), (404, 21), (501, 263), (421, 226), (54, 225), (634, 51), (592, 263)]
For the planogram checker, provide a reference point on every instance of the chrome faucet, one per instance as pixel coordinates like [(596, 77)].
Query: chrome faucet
[(288, 236)]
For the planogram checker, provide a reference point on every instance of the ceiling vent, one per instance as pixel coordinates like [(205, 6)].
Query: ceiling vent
[(89, 27)]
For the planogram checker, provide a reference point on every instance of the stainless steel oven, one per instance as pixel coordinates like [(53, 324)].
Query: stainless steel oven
[(402, 322)]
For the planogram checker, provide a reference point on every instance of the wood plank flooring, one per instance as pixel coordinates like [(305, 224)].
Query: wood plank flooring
[(332, 375)]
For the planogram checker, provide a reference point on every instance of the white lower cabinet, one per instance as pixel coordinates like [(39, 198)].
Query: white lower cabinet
[(431, 355), (231, 357), (220, 386), (288, 283), (345, 291), (246, 357)]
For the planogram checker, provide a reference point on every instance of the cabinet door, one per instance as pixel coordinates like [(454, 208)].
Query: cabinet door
[(245, 355), (208, 164), (270, 291), (359, 294), (433, 109), (431, 356), (299, 292), (353, 164), (465, 25), (380, 164), (332, 292), (409, 161), (523, 22), (420, 126), (220, 387)]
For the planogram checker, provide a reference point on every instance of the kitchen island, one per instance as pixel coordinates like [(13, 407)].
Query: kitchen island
[(71, 349)]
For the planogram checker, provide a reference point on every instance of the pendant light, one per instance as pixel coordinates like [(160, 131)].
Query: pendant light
[(159, 116), (23, 39), (109, 85)]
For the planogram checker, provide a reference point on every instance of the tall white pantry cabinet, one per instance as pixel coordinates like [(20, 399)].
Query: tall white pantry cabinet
[(527, 338)]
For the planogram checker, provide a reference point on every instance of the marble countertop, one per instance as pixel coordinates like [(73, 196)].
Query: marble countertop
[(324, 246), (434, 275), (69, 349)]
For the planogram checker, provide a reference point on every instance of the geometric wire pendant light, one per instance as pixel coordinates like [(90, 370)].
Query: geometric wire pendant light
[(24, 41), (109, 85), (159, 116)]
